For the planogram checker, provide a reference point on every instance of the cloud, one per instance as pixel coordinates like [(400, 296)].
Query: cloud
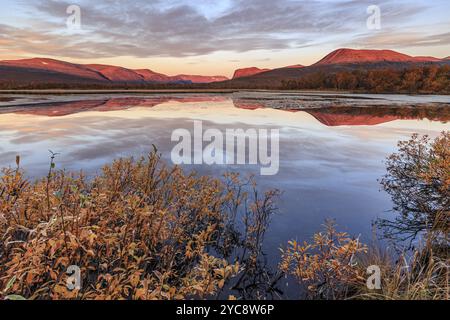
[(388, 39), (180, 28)]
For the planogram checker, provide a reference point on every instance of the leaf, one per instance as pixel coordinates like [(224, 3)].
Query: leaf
[(14, 297), (10, 283)]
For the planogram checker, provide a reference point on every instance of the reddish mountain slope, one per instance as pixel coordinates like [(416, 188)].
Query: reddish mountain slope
[(149, 75), (295, 66), (54, 71), (15, 73), (247, 72), (342, 60), (426, 59), (343, 56), (52, 65), (114, 73)]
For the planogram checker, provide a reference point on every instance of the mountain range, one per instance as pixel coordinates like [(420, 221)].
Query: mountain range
[(55, 71), (51, 71), (341, 60)]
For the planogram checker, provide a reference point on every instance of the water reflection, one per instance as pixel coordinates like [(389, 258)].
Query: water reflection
[(361, 115), (330, 158)]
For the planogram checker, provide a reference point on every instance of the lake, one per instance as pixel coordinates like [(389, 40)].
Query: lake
[(332, 147)]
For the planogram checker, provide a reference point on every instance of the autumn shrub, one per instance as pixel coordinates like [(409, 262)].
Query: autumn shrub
[(143, 230), (326, 267), (418, 181), (138, 230), (334, 265)]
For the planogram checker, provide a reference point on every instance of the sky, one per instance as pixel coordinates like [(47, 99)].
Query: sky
[(215, 37)]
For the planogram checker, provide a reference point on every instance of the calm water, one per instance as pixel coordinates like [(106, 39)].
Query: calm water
[(329, 161)]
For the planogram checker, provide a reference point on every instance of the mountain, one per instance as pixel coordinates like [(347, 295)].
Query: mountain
[(427, 59), (51, 65), (42, 70), (115, 74), (247, 72), (338, 61), (150, 76), (51, 71), (199, 79), (295, 66), (344, 56), (38, 72)]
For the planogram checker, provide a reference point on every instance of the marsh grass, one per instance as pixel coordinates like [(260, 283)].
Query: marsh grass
[(420, 275)]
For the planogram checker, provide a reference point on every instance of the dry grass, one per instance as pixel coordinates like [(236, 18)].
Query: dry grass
[(424, 275)]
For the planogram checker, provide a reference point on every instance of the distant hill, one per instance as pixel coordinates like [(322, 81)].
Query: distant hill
[(295, 66), (247, 72), (43, 70), (151, 76), (53, 66), (331, 72), (344, 56), (198, 78), (116, 74), (341, 60)]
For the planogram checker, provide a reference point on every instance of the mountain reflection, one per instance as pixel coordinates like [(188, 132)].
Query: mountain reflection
[(64, 108), (361, 115)]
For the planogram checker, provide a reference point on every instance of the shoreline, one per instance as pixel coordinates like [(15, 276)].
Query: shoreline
[(206, 91), (119, 91)]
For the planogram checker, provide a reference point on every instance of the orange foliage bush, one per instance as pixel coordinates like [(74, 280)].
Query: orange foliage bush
[(418, 180), (140, 230), (325, 266)]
